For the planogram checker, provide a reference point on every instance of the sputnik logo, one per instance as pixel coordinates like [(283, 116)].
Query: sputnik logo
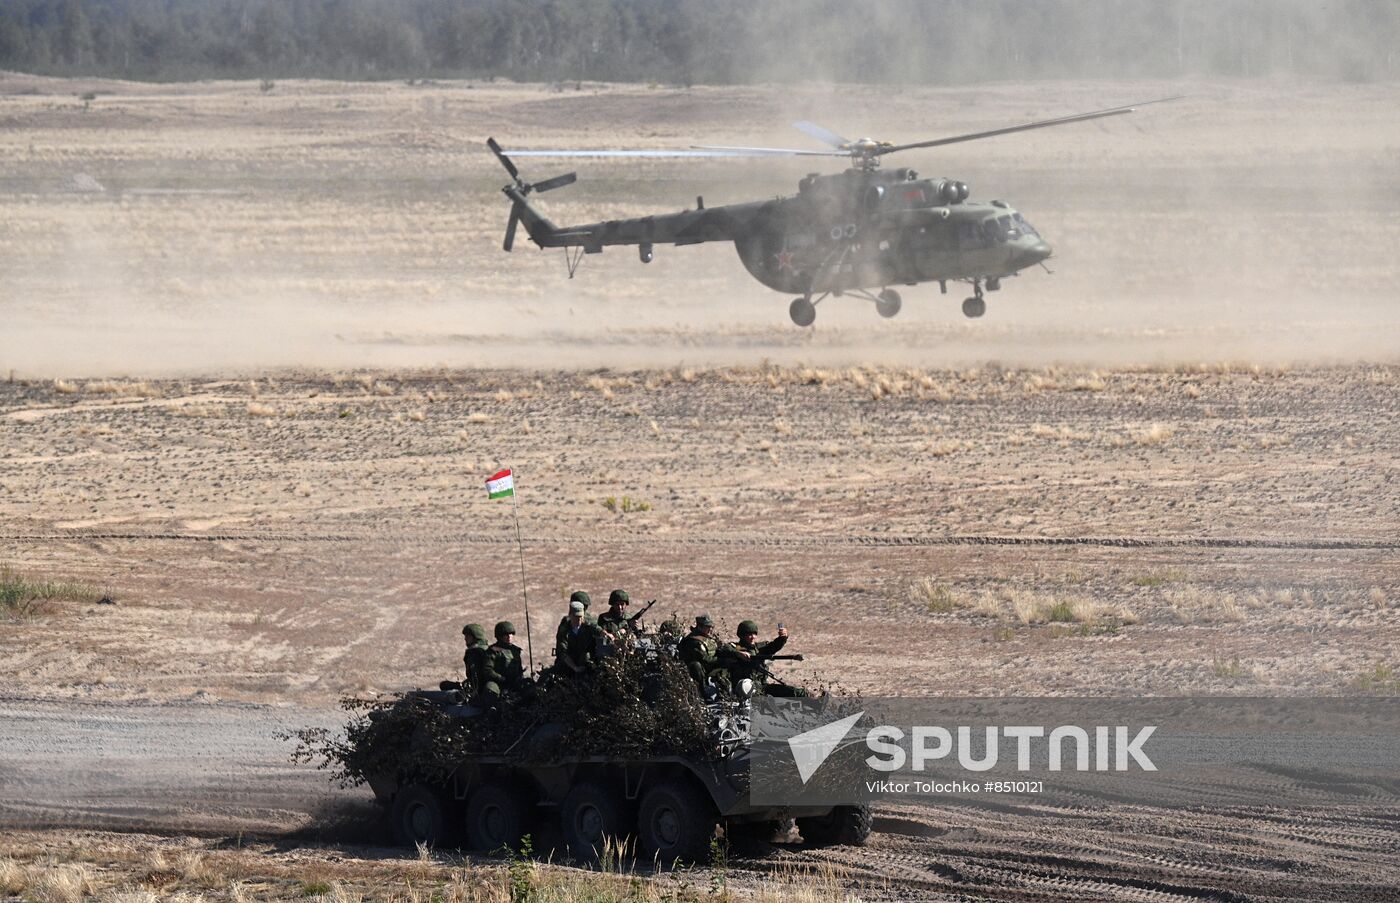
[(811, 748)]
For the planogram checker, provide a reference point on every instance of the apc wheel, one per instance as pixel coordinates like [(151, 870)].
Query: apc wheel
[(498, 816), (419, 816), (676, 824), (848, 825), (888, 303), (591, 817), (974, 307), (802, 311)]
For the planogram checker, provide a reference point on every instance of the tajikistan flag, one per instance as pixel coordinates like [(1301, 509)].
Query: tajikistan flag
[(500, 485)]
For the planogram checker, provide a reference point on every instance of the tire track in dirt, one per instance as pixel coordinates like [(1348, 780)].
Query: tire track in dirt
[(1118, 853), (440, 538)]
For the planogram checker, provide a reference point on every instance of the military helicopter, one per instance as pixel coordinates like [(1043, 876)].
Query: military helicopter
[(853, 233)]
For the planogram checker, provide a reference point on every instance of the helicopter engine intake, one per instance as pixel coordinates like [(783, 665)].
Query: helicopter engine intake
[(951, 192)]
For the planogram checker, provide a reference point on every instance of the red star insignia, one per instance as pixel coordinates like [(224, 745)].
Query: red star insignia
[(784, 258)]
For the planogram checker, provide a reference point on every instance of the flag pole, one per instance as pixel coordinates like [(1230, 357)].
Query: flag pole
[(524, 592)]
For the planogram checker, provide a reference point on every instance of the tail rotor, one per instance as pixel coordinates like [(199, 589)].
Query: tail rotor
[(518, 191)]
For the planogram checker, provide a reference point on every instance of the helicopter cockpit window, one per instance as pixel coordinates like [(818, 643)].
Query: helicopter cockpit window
[(991, 232), (970, 236), (1024, 224), (1007, 230)]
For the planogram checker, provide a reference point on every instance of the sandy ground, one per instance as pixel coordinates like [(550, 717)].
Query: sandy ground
[(249, 405), (179, 228)]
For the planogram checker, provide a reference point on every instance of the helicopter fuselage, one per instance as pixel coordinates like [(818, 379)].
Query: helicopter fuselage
[(858, 229)]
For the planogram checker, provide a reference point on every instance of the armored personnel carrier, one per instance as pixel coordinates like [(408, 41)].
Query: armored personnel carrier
[(532, 775)]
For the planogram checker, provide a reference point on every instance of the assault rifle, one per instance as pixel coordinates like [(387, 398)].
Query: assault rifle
[(758, 665), (633, 619)]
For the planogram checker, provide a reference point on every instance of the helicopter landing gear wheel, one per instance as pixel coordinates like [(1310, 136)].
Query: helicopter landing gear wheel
[(975, 307), (888, 303), (802, 311)]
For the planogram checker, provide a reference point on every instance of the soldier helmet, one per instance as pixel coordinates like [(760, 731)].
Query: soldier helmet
[(504, 628), (619, 597), (581, 597), (576, 608), (476, 632), (704, 621), (747, 628)]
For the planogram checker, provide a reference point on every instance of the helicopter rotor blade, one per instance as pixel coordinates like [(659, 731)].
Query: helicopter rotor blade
[(505, 161), (1044, 123), (567, 178), (767, 151), (510, 226), (701, 152), (824, 135)]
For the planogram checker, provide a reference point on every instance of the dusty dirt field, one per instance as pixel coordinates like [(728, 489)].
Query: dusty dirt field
[(229, 413), (195, 226)]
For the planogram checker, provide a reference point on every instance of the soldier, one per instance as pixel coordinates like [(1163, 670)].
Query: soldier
[(583, 599), (614, 621), (577, 651), (698, 651), (746, 660), (474, 660), (504, 671)]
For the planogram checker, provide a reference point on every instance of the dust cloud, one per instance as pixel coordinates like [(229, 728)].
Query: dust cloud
[(1247, 222)]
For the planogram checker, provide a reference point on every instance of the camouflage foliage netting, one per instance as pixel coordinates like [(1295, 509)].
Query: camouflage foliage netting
[(631, 706)]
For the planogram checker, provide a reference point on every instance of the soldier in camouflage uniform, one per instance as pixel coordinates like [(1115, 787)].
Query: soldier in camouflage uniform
[(614, 621), (576, 647), (745, 660), (698, 651), (474, 660), (504, 672)]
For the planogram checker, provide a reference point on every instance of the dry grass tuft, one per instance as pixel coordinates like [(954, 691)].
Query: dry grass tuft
[(1231, 669), (54, 883), (64, 388), (191, 865), (13, 879), (945, 447), (342, 894), (1193, 605), (934, 596), (478, 417), (1156, 434), (117, 387), (1061, 433), (1091, 383)]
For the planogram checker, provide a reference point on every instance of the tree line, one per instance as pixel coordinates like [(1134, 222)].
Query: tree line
[(701, 41)]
